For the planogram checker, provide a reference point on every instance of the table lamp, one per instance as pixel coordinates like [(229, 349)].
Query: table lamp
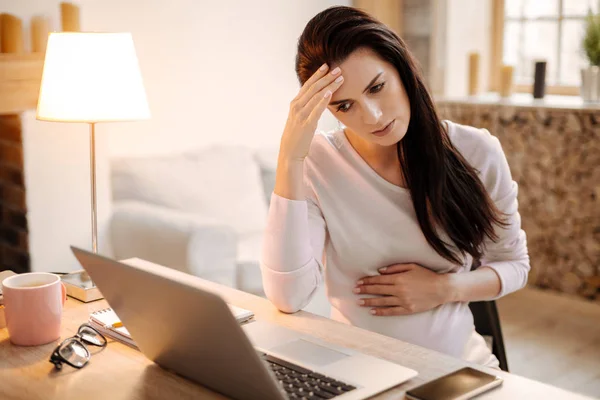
[(91, 77)]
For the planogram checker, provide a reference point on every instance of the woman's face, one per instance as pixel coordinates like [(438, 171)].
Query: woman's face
[(372, 102)]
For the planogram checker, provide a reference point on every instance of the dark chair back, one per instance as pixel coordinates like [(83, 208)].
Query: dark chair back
[(487, 323)]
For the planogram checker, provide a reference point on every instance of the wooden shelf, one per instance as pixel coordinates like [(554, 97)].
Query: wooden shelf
[(20, 79)]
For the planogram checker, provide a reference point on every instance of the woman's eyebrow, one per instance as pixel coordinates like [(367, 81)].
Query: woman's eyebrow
[(333, 103)]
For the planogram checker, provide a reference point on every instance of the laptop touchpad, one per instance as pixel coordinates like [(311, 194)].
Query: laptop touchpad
[(307, 352)]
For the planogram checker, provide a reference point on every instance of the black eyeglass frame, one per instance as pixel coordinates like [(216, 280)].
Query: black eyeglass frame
[(57, 359)]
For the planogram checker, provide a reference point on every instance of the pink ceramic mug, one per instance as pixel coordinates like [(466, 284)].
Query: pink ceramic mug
[(34, 304)]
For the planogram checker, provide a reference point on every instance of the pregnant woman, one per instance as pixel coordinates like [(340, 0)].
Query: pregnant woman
[(391, 211)]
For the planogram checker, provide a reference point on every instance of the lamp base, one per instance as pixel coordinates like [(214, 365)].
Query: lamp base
[(80, 286)]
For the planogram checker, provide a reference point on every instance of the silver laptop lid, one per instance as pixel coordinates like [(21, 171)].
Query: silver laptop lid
[(182, 327)]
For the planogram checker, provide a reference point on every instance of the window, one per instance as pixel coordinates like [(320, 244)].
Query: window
[(550, 30)]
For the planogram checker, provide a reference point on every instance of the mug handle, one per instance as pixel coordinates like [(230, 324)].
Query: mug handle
[(63, 290)]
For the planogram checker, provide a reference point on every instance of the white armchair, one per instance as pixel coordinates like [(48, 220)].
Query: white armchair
[(201, 212), (186, 242)]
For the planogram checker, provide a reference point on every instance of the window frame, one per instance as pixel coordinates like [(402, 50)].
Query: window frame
[(497, 46)]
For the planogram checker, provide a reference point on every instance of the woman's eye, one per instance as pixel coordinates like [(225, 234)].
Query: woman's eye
[(343, 107), (377, 88)]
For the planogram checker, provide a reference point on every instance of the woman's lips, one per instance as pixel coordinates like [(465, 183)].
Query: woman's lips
[(385, 130)]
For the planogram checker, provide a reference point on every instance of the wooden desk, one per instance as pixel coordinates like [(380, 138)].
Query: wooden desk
[(120, 372)]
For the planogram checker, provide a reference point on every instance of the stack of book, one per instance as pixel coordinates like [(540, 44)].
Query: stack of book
[(80, 286)]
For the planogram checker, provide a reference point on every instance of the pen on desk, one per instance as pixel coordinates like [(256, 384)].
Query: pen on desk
[(117, 324)]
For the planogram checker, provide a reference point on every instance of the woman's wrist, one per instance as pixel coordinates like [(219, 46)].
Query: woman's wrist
[(449, 291), (289, 179), (479, 285)]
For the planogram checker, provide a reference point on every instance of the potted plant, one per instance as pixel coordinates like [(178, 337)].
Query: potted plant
[(590, 76)]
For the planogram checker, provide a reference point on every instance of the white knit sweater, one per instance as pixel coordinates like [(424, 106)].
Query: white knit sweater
[(354, 222)]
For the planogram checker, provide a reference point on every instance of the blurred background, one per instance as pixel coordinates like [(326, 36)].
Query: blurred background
[(189, 188)]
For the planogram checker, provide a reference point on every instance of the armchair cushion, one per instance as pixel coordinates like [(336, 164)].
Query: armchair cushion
[(248, 276), (267, 161), (189, 243), (221, 181)]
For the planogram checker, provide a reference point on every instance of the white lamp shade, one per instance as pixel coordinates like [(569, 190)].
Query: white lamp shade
[(91, 77)]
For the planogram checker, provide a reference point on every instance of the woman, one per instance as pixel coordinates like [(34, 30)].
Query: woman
[(393, 209)]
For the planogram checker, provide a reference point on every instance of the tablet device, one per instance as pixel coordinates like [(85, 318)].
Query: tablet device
[(458, 385)]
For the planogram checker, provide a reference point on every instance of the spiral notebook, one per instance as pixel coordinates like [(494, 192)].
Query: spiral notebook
[(103, 320)]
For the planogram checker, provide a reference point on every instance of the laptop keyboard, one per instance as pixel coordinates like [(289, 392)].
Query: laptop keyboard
[(301, 383)]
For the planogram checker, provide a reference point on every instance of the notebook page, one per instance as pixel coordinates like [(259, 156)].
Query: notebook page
[(108, 317)]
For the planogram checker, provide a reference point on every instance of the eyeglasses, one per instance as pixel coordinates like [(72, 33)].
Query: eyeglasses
[(73, 351)]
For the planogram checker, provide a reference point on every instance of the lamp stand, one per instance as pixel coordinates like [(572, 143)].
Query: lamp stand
[(93, 184), (79, 284)]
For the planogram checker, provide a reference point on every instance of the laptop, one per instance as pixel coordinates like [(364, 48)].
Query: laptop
[(199, 339)]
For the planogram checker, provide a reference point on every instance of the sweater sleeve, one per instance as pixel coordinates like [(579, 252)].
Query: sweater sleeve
[(292, 252), (508, 255)]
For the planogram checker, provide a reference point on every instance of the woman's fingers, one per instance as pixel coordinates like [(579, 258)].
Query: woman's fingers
[(376, 289), (317, 105), (390, 311), (385, 306), (321, 72), (385, 301), (317, 86)]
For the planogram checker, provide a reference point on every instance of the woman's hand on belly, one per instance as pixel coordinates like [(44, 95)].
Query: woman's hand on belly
[(403, 289)]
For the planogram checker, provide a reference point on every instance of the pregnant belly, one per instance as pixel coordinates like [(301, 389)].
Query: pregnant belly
[(445, 328)]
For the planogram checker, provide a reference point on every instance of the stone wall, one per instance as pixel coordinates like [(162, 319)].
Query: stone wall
[(554, 155)]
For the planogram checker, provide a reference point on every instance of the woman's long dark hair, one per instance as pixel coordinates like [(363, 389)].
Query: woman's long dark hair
[(446, 191)]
